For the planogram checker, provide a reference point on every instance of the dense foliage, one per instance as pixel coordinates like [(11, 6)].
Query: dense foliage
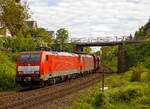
[(87, 50), (61, 41), (135, 53), (40, 35), (14, 15), (18, 44), (143, 32), (128, 90), (7, 71), (122, 93), (30, 39), (109, 57)]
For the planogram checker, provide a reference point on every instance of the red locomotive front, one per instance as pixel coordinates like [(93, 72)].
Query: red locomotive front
[(46, 67), (28, 68)]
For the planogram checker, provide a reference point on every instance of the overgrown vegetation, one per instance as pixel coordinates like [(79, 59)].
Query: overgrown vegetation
[(109, 57), (133, 53), (7, 70), (129, 90), (139, 52), (137, 72), (61, 41), (18, 44), (30, 39), (122, 93), (14, 15)]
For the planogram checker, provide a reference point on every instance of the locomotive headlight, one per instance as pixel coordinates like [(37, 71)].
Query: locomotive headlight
[(36, 72)]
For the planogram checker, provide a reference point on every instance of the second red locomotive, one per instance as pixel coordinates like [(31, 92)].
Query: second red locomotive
[(38, 68)]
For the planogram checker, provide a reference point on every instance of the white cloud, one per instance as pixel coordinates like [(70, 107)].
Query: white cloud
[(91, 18)]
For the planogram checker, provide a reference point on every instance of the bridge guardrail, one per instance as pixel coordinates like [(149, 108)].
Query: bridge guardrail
[(99, 39)]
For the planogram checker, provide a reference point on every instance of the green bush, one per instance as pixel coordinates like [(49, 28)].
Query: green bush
[(147, 62), (145, 77), (136, 72), (130, 56), (130, 93), (7, 80), (112, 63), (121, 94), (7, 72), (117, 80), (82, 106), (90, 100), (143, 102), (19, 43), (40, 35), (126, 94), (13, 56), (113, 95), (120, 105), (100, 100)]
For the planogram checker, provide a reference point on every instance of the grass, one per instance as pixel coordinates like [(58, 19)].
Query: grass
[(122, 93), (7, 71), (111, 63)]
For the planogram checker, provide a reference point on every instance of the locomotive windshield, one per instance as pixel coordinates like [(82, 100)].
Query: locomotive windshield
[(30, 58)]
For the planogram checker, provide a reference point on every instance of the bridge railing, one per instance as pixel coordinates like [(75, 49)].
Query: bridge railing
[(99, 39)]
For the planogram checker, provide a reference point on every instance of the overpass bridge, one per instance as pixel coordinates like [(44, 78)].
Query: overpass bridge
[(80, 43)]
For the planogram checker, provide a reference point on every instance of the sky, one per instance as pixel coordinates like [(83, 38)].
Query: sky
[(91, 18)]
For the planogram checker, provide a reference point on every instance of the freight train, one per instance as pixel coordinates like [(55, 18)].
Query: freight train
[(49, 67)]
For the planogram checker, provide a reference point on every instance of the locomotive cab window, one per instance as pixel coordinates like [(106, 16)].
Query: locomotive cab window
[(30, 58), (47, 57)]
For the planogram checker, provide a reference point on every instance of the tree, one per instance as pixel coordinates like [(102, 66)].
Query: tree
[(140, 33), (17, 1), (14, 15), (39, 32), (87, 50), (98, 53), (61, 41), (130, 37), (148, 32), (61, 38), (40, 35), (143, 32), (108, 51), (147, 27), (19, 43)]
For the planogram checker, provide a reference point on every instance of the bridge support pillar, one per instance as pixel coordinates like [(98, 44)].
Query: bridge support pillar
[(121, 58)]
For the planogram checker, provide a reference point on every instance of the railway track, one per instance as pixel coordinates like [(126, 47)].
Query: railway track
[(20, 95), (5, 94), (24, 100)]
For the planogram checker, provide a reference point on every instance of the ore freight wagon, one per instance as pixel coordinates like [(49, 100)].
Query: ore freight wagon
[(38, 68)]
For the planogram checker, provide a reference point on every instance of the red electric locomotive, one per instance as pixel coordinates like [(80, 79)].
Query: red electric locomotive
[(38, 68)]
